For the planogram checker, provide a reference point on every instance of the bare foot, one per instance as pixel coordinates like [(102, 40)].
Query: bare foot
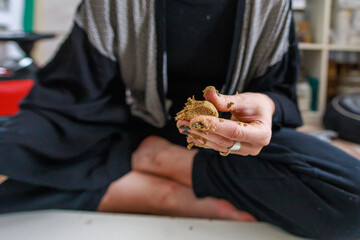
[(143, 193), (158, 156)]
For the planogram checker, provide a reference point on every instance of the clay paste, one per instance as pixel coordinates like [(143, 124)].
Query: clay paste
[(194, 108)]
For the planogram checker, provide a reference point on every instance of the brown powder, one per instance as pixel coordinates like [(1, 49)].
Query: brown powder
[(204, 126), (203, 131), (213, 128), (230, 105), (204, 123), (195, 108), (190, 146), (221, 120), (210, 89), (239, 123), (198, 125), (256, 122), (200, 145), (194, 136)]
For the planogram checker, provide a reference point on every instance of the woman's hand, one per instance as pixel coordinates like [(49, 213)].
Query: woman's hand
[(250, 124)]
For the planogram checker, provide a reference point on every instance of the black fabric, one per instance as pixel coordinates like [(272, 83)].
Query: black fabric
[(70, 133), (199, 36), (238, 28), (279, 83), (18, 196), (309, 191)]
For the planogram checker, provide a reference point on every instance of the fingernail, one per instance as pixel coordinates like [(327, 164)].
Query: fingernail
[(184, 128), (198, 125), (185, 133)]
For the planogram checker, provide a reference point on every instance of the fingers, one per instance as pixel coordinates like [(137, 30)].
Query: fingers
[(253, 108), (216, 142), (246, 148), (224, 103), (181, 123), (246, 106), (213, 137), (256, 133), (209, 144)]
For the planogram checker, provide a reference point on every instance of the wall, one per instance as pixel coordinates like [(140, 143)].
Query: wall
[(55, 17)]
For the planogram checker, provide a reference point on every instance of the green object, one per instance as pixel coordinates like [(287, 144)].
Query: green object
[(314, 83), (29, 16)]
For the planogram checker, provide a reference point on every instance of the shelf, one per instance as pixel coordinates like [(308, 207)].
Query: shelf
[(331, 47), (311, 46), (344, 48), (299, 5), (312, 117), (316, 55)]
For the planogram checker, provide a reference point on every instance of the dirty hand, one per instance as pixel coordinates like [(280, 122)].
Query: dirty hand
[(250, 124)]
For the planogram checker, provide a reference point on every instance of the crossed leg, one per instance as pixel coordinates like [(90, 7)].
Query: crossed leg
[(311, 192), (144, 193), (161, 184), (157, 156)]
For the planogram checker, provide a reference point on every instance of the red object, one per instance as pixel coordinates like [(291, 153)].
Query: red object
[(11, 94)]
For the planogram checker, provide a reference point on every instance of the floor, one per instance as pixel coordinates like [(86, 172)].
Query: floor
[(64, 225)]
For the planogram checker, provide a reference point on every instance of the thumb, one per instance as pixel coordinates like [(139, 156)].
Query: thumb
[(223, 103)]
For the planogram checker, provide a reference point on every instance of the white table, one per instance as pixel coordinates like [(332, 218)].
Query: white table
[(64, 225)]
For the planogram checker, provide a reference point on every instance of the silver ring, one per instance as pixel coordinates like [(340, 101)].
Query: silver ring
[(236, 147)]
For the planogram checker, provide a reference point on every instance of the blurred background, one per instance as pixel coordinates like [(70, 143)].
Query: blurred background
[(328, 31), (329, 35), (43, 16)]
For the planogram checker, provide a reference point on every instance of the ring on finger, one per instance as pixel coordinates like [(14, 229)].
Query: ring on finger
[(235, 147)]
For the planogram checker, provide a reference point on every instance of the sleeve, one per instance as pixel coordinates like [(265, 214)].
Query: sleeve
[(279, 83), (70, 130)]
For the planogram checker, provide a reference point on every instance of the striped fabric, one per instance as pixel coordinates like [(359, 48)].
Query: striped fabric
[(125, 30)]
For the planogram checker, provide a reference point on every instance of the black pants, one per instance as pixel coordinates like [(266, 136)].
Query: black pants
[(299, 183), (19, 196)]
